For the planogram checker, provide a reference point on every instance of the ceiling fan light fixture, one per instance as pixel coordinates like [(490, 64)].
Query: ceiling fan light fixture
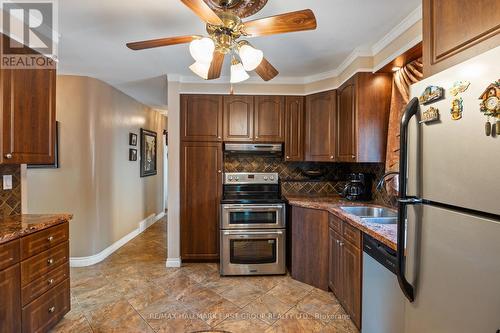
[(202, 50), (201, 69), (238, 73), (250, 56)]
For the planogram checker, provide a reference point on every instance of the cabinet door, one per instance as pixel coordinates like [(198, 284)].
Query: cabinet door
[(10, 300), (351, 281), (320, 127), (29, 116), (269, 119), (456, 30), (294, 128), (335, 264), (346, 123), (238, 118), (201, 182), (310, 246), (201, 118)]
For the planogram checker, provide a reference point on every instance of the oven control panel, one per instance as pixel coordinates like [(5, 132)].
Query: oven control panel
[(251, 178)]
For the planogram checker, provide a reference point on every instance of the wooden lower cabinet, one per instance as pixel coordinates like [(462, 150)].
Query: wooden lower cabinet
[(10, 300), (310, 243), (201, 190), (34, 292), (345, 265)]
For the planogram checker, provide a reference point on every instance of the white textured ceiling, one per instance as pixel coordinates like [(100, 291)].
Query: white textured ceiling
[(94, 33)]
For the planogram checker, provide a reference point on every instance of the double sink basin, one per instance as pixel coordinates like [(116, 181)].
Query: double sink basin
[(377, 215)]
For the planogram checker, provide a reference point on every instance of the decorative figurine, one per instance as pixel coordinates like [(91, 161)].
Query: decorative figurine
[(490, 106), (431, 94), (457, 108), (459, 87), (430, 115)]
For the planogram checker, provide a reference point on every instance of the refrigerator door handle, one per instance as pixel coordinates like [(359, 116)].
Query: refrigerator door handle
[(411, 110)]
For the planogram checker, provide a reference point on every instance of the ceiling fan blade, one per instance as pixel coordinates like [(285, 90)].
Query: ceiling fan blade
[(216, 66), (290, 22), (200, 8), (266, 71), (148, 44)]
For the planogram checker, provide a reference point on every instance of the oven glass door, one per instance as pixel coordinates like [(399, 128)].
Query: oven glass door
[(248, 252), (253, 216)]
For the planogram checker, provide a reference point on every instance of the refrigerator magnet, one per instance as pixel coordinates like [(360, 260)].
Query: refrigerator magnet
[(459, 87), (457, 108), (431, 94), (430, 115)]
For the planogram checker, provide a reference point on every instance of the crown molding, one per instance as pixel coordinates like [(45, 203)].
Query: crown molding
[(414, 17)]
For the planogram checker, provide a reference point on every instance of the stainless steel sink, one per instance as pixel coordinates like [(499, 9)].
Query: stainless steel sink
[(381, 220), (370, 212)]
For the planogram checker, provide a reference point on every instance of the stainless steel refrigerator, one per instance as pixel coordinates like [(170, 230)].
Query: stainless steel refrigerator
[(449, 220)]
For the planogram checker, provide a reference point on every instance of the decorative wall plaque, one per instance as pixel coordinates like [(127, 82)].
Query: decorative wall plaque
[(431, 94), (430, 115)]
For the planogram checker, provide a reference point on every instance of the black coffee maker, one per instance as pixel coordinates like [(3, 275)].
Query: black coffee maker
[(359, 187)]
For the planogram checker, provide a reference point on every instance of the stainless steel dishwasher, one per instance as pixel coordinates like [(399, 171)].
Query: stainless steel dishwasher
[(383, 301)]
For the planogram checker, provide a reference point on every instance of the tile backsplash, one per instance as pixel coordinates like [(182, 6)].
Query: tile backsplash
[(10, 200), (295, 180)]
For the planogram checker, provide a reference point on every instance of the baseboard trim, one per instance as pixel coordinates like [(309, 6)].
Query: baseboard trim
[(173, 262), (97, 258)]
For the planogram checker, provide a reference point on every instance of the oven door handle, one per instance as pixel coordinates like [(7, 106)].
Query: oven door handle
[(249, 207), (251, 233)]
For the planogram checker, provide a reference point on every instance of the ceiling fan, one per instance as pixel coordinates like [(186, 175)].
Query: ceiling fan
[(225, 28)]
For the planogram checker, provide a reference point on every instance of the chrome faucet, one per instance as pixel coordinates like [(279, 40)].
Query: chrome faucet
[(382, 179)]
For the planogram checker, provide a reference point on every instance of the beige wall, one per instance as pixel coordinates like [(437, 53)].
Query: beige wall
[(95, 181)]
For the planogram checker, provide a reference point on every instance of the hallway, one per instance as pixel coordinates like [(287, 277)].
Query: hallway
[(133, 291)]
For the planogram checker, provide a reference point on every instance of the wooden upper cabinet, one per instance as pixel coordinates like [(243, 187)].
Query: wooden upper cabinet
[(362, 118), (201, 190), (320, 126), (456, 30), (28, 116), (346, 123), (238, 118), (294, 128), (269, 119), (201, 118)]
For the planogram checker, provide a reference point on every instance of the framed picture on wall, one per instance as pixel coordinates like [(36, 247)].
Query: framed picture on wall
[(132, 155), (56, 154), (148, 153), (132, 140)]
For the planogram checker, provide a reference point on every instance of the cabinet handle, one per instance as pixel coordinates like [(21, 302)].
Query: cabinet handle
[(52, 309), (51, 281), (50, 261), (8, 156), (337, 241), (50, 239), (219, 137), (332, 157), (220, 171), (353, 157), (341, 243), (288, 157)]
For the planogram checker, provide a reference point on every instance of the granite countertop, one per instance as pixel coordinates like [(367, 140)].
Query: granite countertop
[(385, 233), (14, 227)]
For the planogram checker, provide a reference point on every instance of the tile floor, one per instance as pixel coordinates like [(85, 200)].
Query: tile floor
[(133, 291)]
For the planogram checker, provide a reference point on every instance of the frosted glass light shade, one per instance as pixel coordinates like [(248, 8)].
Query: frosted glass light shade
[(250, 56), (238, 73), (202, 50), (201, 69)]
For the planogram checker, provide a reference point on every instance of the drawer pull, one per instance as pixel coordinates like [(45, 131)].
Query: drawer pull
[(50, 261), (50, 239), (51, 281), (52, 309), (11, 258)]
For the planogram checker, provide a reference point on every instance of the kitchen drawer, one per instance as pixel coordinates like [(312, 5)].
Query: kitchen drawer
[(44, 312), (42, 263), (351, 235), (335, 223), (43, 240), (44, 283), (9, 254)]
